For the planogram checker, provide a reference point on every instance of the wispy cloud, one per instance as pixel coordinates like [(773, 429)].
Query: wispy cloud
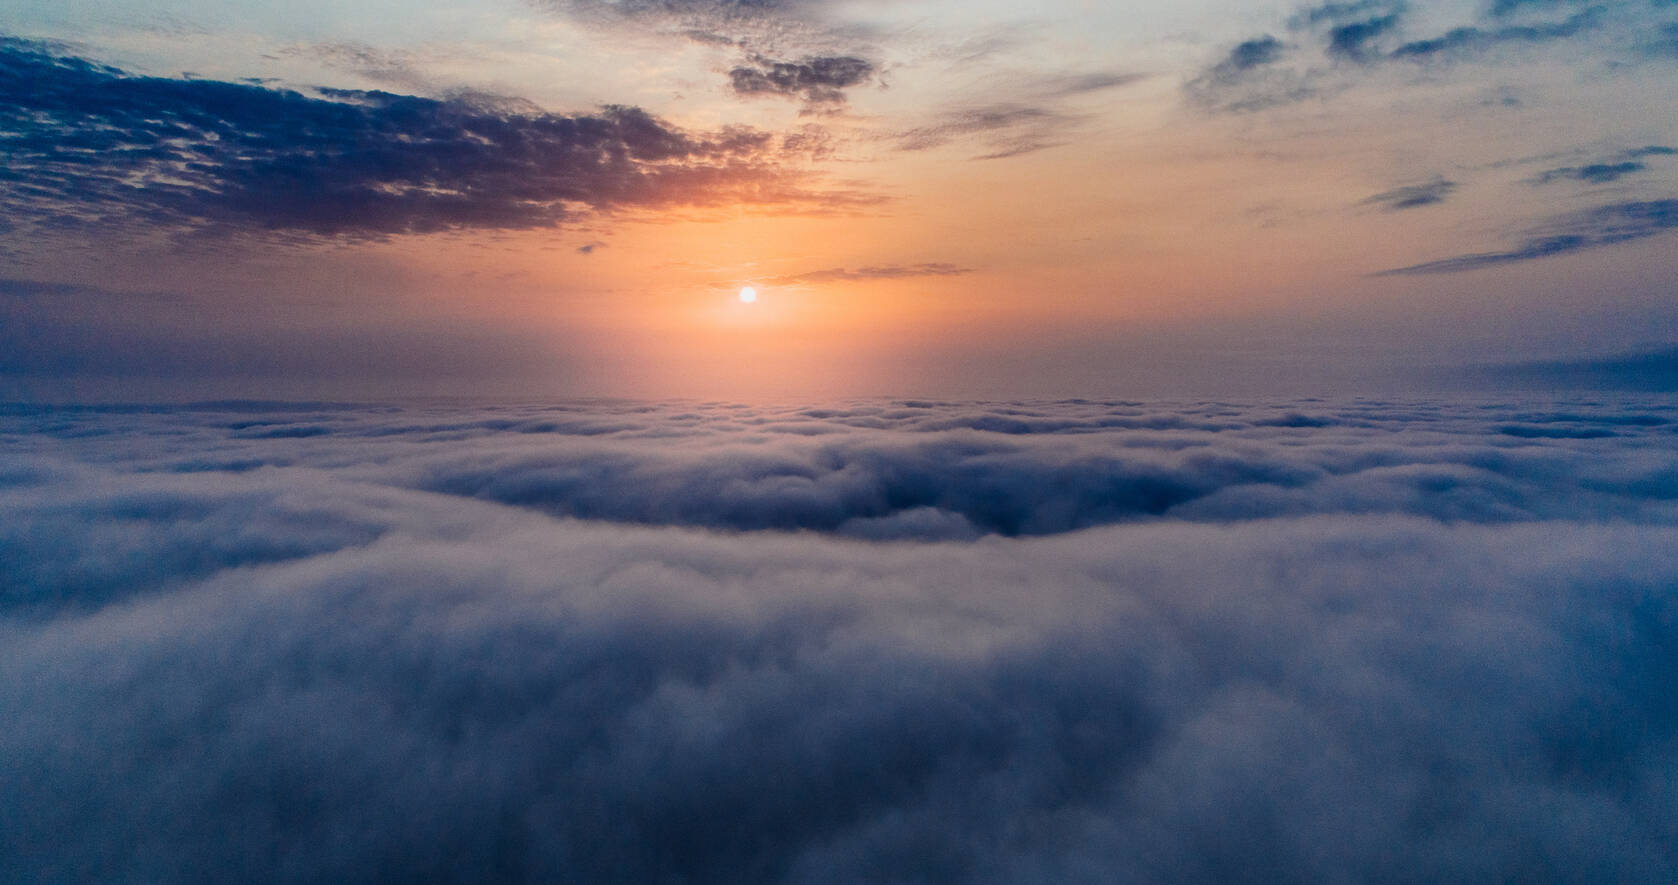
[(1472, 38), (877, 272), (1249, 78), (1608, 170), (1590, 229), (789, 47), (1593, 173), (1020, 115), (1008, 130), (1334, 44), (1414, 195), (706, 15), (1069, 85), (394, 68)]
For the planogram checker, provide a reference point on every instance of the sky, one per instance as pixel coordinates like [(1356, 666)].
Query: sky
[(538, 198)]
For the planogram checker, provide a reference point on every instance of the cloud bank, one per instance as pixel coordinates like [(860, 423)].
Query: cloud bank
[(1081, 641)]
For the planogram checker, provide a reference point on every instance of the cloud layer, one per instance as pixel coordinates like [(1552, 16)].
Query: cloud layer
[(1301, 641)]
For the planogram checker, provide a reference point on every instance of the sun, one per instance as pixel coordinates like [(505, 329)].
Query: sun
[(748, 294)]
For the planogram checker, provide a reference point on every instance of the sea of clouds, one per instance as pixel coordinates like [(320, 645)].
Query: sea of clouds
[(1076, 641)]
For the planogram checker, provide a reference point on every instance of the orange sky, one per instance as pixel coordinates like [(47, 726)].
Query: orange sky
[(925, 196)]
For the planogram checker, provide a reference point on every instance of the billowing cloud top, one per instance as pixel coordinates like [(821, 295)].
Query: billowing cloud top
[(1311, 639)]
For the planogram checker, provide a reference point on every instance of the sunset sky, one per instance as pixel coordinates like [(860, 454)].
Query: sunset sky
[(806, 442), (564, 197)]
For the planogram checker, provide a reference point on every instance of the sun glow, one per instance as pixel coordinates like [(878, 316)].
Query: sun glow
[(748, 294)]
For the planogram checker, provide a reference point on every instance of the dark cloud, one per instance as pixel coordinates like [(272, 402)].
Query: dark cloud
[(1471, 38), (1350, 30), (1653, 150), (1413, 196), (89, 144), (1250, 76), (1247, 79), (1594, 173), (1590, 229), (237, 653), (882, 272), (1251, 54), (1354, 41), (1244, 58), (1603, 172), (817, 80)]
